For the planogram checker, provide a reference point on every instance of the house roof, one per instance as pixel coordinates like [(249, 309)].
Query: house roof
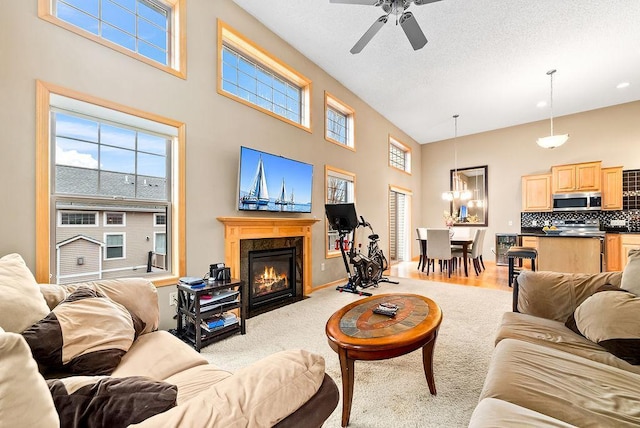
[(77, 237)]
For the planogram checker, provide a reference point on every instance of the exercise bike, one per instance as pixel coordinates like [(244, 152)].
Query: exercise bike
[(367, 269)]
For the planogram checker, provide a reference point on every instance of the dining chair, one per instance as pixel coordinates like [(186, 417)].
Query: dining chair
[(439, 248), (476, 251), (422, 241)]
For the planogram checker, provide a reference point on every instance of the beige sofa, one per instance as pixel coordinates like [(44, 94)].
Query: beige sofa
[(158, 380), (543, 374)]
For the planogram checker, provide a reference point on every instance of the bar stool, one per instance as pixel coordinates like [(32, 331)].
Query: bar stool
[(520, 253)]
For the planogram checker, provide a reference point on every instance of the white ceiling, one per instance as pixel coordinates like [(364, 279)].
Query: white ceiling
[(486, 60)]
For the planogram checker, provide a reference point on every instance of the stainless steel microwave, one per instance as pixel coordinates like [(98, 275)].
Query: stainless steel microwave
[(577, 201)]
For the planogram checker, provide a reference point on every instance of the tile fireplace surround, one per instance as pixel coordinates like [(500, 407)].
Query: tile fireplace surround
[(239, 228)]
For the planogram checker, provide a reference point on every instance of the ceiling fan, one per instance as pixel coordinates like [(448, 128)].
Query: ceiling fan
[(398, 8)]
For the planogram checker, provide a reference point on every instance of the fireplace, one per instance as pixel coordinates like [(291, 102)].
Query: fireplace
[(271, 276)]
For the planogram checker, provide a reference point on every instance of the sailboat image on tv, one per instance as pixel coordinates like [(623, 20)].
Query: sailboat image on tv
[(282, 196), (258, 193)]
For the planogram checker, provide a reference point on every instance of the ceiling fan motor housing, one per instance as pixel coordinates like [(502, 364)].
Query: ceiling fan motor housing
[(396, 7)]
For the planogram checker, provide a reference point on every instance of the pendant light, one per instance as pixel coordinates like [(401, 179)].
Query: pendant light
[(456, 192), (552, 141)]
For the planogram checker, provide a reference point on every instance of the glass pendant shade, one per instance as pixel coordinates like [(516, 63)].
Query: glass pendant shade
[(552, 141)]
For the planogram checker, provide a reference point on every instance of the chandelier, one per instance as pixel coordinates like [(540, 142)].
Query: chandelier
[(458, 190), (552, 141)]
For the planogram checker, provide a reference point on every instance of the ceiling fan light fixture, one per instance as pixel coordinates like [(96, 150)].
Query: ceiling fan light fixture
[(552, 141)]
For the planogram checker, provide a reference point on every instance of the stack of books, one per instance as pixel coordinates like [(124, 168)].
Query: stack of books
[(210, 302), (192, 281), (217, 322)]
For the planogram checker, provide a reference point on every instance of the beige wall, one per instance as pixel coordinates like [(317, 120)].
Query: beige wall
[(610, 134), (33, 49)]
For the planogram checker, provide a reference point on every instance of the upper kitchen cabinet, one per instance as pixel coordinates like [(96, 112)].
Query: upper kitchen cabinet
[(580, 177), (536, 193), (612, 188)]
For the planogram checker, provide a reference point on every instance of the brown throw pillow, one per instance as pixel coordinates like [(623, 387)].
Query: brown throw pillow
[(83, 401), (571, 321), (631, 273), (85, 334)]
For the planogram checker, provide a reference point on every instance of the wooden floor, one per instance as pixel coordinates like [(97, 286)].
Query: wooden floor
[(492, 277)]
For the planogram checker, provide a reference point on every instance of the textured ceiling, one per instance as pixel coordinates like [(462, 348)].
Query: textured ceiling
[(486, 59)]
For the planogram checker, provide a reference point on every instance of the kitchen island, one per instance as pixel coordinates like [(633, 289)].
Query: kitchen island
[(571, 254)]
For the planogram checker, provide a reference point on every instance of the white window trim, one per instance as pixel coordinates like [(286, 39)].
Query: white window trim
[(407, 154), (124, 245), (124, 219), (336, 104), (95, 213)]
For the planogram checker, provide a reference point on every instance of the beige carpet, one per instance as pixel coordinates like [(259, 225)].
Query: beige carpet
[(388, 393)]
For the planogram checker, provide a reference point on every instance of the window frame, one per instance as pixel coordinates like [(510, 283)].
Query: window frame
[(177, 31), (95, 217), (228, 36), (107, 246), (124, 219), (44, 208), (407, 154), (330, 171), (332, 102), (155, 220), (155, 240)]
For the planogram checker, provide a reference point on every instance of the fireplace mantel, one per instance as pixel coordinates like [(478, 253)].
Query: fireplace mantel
[(239, 228)]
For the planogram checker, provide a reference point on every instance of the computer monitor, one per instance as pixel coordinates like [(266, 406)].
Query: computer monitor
[(342, 217)]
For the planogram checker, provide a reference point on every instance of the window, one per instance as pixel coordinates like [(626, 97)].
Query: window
[(159, 219), (339, 122), (77, 219), (114, 246), (399, 155), (150, 30), (339, 189), (114, 219), (246, 73), (160, 246), (99, 158)]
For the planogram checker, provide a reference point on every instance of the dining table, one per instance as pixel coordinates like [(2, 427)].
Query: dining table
[(462, 237)]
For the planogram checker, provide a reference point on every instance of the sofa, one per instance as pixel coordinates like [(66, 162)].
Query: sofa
[(91, 354), (568, 354)]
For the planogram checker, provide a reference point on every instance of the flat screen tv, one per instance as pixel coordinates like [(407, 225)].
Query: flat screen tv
[(273, 183)]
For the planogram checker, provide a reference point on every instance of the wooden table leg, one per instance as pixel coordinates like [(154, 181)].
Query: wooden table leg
[(346, 367), (427, 362)]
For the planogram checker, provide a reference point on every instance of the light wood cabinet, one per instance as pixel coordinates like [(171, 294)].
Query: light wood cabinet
[(613, 249), (612, 188), (628, 242), (579, 177), (536, 193)]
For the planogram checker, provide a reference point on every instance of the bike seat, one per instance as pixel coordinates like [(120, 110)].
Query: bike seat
[(374, 237)]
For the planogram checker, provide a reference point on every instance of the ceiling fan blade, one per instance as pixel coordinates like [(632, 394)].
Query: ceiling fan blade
[(421, 2), (366, 37), (364, 2), (412, 30)]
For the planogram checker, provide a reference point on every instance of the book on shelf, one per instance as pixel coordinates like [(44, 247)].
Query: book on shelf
[(224, 320)]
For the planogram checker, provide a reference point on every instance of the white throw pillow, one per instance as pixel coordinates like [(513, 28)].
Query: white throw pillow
[(631, 274), (21, 304)]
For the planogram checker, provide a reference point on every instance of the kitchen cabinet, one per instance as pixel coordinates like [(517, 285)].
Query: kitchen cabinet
[(569, 254), (628, 242), (613, 249), (536, 193), (579, 177), (612, 188)]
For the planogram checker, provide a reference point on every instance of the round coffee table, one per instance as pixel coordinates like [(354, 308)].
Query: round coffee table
[(356, 333)]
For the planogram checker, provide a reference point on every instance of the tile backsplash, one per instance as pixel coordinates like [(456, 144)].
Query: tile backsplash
[(631, 189)]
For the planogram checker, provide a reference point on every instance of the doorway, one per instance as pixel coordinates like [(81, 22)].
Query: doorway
[(399, 221)]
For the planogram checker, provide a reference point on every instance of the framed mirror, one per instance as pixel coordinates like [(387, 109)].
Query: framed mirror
[(471, 205)]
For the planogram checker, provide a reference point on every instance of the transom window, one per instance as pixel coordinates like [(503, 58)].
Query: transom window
[(339, 189), (77, 218), (114, 246), (248, 75), (148, 29), (339, 122), (399, 155), (113, 219), (160, 219)]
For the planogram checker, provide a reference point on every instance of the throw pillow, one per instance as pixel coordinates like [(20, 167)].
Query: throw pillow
[(22, 303), (84, 401), (24, 398), (631, 273), (86, 334), (610, 319)]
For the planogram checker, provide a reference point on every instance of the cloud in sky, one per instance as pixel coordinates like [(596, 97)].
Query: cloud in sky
[(73, 158)]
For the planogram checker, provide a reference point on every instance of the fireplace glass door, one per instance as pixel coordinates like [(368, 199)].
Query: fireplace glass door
[(271, 275)]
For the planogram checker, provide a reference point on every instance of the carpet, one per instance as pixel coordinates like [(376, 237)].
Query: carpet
[(394, 392)]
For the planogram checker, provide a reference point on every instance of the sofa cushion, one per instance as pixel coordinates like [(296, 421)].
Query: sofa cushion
[(563, 386), (631, 273), (612, 320), (24, 398), (193, 381), (86, 334), (492, 412), (21, 303), (259, 395), (100, 401), (554, 334)]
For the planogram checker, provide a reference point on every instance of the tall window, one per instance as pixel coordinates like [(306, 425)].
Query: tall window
[(101, 159), (399, 155), (339, 122), (151, 30), (249, 75), (339, 189)]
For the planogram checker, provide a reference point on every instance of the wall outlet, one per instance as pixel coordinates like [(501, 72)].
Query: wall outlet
[(618, 222), (173, 298), (322, 266), (546, 223), (510, 222), (534, 222)]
